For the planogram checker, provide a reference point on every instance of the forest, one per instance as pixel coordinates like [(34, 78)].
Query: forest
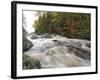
[(71, 25)]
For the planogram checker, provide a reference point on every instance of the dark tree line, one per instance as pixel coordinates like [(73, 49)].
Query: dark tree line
[(72, 25)]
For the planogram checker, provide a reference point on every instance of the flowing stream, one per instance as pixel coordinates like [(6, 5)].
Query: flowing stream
[(59, 51)]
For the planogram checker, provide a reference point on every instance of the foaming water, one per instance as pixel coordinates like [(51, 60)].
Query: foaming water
[(59, 51)]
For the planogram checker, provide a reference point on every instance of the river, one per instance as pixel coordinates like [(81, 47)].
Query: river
[(59, 51)]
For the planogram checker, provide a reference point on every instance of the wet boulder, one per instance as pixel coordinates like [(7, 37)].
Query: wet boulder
[(46, 35), (88, 45), (26, 44), (34, 36), (30, 63)]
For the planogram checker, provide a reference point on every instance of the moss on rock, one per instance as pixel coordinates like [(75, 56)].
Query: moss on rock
[(30, 63)]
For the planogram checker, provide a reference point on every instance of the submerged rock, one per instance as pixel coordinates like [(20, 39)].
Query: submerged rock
[(68, 56), (30, 63)]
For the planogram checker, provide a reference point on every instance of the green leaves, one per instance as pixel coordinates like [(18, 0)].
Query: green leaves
[(72, 25)]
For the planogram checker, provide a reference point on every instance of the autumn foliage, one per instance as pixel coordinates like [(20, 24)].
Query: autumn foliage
[(71, 25)]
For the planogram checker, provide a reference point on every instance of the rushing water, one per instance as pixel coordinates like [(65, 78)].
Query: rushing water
[(59, 51)]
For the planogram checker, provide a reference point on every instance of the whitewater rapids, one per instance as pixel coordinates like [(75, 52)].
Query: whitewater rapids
[(60, 51)]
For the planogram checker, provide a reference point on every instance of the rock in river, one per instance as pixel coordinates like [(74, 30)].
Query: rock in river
[(26, 44), (30, 63)]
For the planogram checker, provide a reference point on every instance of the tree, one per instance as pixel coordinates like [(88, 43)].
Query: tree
[(72, 25)]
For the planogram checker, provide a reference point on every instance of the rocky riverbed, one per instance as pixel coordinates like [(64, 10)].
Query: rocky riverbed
[(54, 51)]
